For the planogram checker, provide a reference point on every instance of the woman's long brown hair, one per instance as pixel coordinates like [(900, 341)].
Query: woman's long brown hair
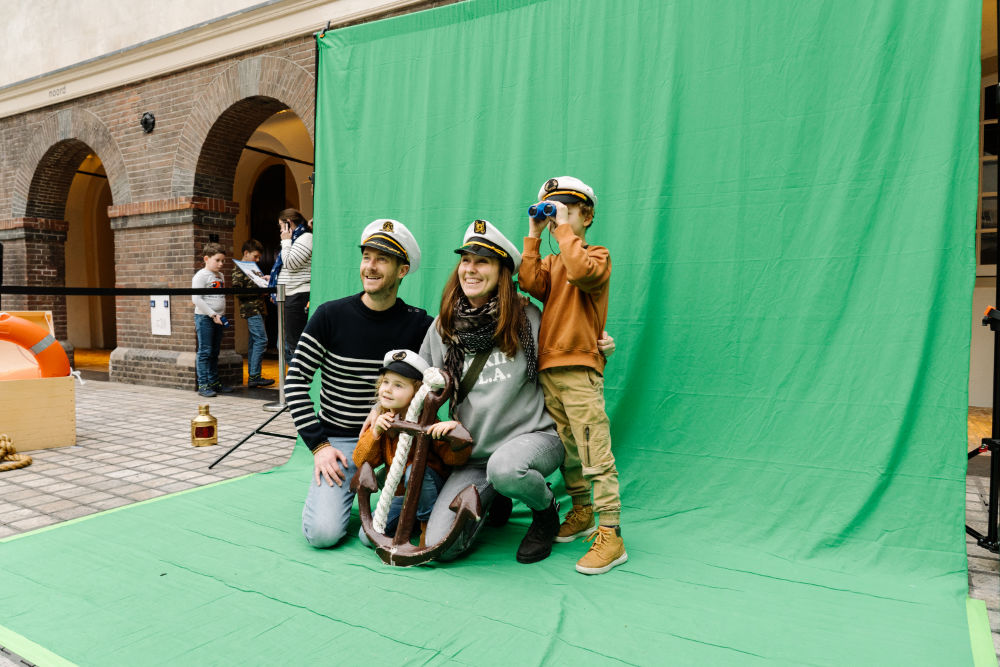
[(510, 310)]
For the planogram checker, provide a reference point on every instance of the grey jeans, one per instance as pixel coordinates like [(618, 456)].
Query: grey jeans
[(517, 469)]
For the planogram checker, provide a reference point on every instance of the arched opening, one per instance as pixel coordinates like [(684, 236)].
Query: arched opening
[(69, 188), (90, 262), (272, 174)]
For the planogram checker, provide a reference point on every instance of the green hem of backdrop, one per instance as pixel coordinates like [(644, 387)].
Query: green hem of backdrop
[(29, 650), (980, 636)]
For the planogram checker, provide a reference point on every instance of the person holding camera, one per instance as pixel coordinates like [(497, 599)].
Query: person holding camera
[(293, 269), (574, 286)]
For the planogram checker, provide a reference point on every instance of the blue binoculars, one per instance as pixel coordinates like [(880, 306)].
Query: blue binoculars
[(545, 209)]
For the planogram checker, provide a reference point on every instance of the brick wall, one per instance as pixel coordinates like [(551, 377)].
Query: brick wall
[(171, 189)]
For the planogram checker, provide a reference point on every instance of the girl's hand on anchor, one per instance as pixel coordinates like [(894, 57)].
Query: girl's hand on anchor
[(382, 423), (441, 429)]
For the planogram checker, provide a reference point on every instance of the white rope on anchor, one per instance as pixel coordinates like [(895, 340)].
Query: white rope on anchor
[(433, 379)]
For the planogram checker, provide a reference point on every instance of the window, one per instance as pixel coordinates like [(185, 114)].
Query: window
[(986, 220)]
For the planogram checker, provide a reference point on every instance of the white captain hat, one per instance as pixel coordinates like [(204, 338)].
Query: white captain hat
[(482, 238), (568, 190), (405, 362), (392, 236)]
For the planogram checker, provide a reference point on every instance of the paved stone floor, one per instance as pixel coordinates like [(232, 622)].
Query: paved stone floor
[(107, 469)]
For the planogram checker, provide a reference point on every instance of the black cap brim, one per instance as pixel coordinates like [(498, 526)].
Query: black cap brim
[(570, 199), (483, 251), (403, 369), (378, 244)]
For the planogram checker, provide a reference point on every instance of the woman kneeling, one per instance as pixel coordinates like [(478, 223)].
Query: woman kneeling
[(487, 335)]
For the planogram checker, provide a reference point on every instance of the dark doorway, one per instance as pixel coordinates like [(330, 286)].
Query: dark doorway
[(266, 201)]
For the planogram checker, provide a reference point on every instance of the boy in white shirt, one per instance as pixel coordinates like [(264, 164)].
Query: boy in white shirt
[(209, 321)]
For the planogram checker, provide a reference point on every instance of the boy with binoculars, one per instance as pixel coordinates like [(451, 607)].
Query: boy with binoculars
[(574, 287)]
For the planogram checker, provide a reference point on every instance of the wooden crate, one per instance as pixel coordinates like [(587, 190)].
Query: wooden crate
[(42, 318), (39, 413)]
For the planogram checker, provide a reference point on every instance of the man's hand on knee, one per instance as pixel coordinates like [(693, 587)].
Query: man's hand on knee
[(329, 463)]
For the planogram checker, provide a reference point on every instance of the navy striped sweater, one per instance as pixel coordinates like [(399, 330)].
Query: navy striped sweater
[(346, 341)]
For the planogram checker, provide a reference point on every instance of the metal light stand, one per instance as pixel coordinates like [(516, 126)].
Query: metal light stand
[(992, 444), (279, 406)]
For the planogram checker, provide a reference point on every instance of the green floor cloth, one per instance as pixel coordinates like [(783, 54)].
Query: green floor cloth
[(221, 576), (787, 190)]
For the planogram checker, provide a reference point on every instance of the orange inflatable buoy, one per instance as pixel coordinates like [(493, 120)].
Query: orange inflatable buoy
[(48, 353)]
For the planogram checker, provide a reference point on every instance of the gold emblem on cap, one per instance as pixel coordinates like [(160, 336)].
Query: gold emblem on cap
[(480, 227), (551, 184), (399, 356), (387, 227)]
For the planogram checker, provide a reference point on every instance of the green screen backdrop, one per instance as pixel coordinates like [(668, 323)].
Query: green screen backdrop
[(787, 190)]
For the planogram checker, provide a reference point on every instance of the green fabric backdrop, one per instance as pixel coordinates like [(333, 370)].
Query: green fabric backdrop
[(788, 193)]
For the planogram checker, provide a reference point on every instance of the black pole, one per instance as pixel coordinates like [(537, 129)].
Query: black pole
[(318, 36), (990, 541)]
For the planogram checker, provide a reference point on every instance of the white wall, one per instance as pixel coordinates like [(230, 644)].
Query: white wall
[(44, 35)]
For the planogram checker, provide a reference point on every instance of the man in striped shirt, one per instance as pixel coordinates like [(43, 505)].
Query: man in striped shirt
[(346, 341)]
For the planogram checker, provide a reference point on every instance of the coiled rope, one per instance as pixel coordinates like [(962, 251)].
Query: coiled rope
[(433, 379), (9, 458)]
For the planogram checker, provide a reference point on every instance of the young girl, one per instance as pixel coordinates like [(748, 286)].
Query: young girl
[(400, 377)]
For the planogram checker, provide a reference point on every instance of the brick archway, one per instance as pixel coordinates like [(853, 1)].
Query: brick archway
[(233, 105), (58, 145), (34, 235)]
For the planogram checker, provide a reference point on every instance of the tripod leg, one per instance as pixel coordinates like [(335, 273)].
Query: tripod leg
[(252, 434), (990, 541)]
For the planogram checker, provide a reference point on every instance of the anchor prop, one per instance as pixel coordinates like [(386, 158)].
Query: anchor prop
[(397, 550)]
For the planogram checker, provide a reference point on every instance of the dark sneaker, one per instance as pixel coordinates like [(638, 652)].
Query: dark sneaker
[(207, 392), (259, 382), (223, 389), (537, 544), (607, 551), (579, 522), (499, 511)]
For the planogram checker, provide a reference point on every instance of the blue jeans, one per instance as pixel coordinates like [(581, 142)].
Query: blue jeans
[(517, 469), (257, 345), (328, 508), (209, 341), (428, 496)]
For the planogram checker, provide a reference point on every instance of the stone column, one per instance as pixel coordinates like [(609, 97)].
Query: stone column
[(159, 244)]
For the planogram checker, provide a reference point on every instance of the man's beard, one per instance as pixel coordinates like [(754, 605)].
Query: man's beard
[(388, 287)]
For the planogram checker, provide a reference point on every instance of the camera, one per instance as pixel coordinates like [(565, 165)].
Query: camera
[(541, 211), (224, 320)]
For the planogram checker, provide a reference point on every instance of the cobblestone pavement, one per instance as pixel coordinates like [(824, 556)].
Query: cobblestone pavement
[(107, 468)]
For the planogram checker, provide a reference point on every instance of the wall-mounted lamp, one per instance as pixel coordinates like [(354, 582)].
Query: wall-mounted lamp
[(148, 122)]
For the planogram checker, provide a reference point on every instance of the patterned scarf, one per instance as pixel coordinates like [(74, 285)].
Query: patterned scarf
[(272, 281), (474, 332)]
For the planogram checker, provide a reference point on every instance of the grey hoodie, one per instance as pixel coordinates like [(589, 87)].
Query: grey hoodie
[(503, 403)]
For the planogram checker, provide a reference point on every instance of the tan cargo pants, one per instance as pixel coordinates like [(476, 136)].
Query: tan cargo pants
[(574, 396)]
